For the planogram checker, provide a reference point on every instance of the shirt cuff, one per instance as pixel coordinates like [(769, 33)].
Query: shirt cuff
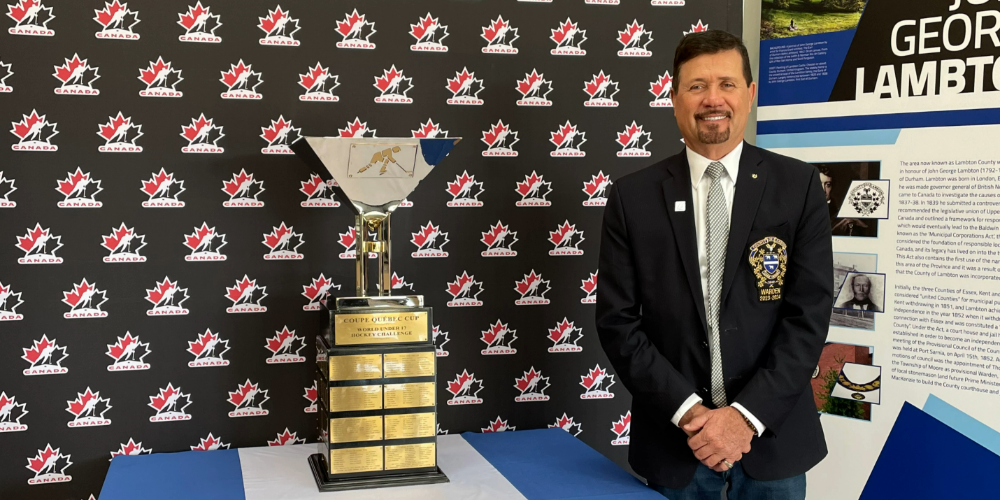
[(753, 420), (692, 400)]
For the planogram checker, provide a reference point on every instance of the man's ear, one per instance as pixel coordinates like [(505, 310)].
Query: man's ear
[(753, 92)]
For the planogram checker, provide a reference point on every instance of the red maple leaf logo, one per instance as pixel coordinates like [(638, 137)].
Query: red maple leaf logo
[(267, 24), (148, 76), (598, 83), (232, 187), (592, 376), (112, 241), (309, 79), (418, 30), (20, 9), (388, 77), (590, 284), (118, 349), (344, 27), (456, 386), (497, 426), (630, 131), (490, 32), (160, 401), (207, 444), (67, 186), (162, 288), (623, 425), (78, 405), (42, 460), (559, 34), (347, 239), (495, 329), (277, 235), (70, 68), (456, 187), (108, 130), (557, 236), (495, 231), (28, 124), (525, 86), (275, 343), (524, 285), (231, 77), (593, 186), (204, 339), (191, 132), (129, 449), (284, 438), (425, 232), (313, 291), (455, 84), (27, 241), (396, 281), (194, 240), (151, 187), (563, 422), (626, 36), (311, 393), (525, 382), (561, 330), (560, 135), (40, 347), (354, 129), (490, 136), (188, 20), (661, 85), (277, 127), (106, 15), (455, 287), (697, 28), (235, 292), (241, 392), (429, 129), (79, 290), (309, 187)]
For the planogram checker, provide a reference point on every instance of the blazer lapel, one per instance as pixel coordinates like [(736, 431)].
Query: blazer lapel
[(750, 184), (677, 187)]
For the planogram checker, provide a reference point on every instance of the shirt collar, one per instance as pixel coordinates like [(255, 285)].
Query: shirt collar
[(699, 164)]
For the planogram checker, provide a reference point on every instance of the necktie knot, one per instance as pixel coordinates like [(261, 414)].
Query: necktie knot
[(715, 170)]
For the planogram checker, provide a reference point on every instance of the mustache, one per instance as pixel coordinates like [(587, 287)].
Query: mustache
[(706, 114)]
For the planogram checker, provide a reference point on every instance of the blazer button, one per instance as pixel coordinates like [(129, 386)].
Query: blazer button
[(704, 344)]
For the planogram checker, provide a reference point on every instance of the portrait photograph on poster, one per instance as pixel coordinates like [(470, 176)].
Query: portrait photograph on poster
[(861, 292), (838, 180), (842, 367), (844, 264)]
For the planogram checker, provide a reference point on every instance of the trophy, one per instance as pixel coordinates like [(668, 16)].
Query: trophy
[(375, 358)]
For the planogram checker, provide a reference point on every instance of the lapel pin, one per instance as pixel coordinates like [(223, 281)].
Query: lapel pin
[(680, 206), (753, 175)]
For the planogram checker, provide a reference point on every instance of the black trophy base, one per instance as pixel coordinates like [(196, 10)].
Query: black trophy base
[(324, 483)]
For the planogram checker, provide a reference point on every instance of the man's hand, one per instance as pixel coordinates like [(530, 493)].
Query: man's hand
[(718, 434), (697, 410)]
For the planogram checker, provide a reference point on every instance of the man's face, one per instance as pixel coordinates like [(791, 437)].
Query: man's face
[(827, 184), (712, 99), (861, 287)]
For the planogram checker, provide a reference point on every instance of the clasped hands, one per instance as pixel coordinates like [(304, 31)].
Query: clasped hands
[(716, 435)]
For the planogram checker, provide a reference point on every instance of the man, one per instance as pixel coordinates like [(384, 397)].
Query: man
[(861, 286), (715, 295)]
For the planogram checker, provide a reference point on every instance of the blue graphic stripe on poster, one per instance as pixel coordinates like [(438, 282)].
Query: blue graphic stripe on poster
[(956, 118), (801, 69), (925, 459), (829, 139), (962, 422), (559, 470), (129, 475)]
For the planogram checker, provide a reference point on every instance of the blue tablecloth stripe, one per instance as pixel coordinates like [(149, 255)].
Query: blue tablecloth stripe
[(207, 475)]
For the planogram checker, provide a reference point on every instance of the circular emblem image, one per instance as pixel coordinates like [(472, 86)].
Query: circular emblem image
[(866, 198)]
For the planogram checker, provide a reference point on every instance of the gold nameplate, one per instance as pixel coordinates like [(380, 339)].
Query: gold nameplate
[(352, 430), (380, 327), (364, 459), (410, 425), (355, 367), (409, 395), (410, 456), (356, 398), (409, 364)]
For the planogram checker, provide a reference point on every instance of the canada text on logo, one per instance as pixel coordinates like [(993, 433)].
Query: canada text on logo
[(287, 438), (279, 136), (567, 424), (283, 243), (568, 37), (667, 3), (566, 240), (49, 466), (499, 36), (497, 242), (621, 428), (249, 399), (88, 409), (84, 301), (116, 21), (662, 90), (631, 141), (567, 139), (429, 33), (205, 244), (440, 339), (161, 79), (311, 395), (6, 188), (123, 245), (79, 190), (319, 85), (430, 241), (533, 191), (532, 289), (243, 191), (207, 350), (465, 88), (279, 28), (319, 193), (5, 73), (349, 241), (596, 190), (131, 449), (355, 31), (170, 404), (11, 413), (429, 130), (39, 246), (45, 357), (202, 135), (128, 354), (465, 191), (357, 128), (393, 86), (76, 77), (210, 443), (162, 189), (565, 337), (498, 338), (246, 297), (284, 347), (498, 425), (34, 133), (9, 300), (597, 384), (590, 288), (532, 386), (499, 140), (31, 18), (464, 291), (697, 28), (634, 40), (199, 25), (119, 134), (317, 292), (534, 90), (465, 389), (241, 81), (167, 299), (601, 90), (601, 2)]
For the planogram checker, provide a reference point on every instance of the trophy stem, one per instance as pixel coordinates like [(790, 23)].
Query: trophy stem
[(385, 274), (361, 255)]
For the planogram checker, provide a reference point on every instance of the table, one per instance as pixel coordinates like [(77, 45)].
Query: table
[(543, 464)]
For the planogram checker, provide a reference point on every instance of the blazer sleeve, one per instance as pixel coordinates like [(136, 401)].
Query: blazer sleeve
[(803, 318), (646, 373)]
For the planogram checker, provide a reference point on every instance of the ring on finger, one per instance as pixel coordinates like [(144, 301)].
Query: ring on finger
[(729, 465)]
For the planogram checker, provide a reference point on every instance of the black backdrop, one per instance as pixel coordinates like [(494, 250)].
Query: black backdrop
[(45, 409)]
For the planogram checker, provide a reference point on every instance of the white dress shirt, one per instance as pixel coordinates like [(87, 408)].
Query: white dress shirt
[(700, 185)]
